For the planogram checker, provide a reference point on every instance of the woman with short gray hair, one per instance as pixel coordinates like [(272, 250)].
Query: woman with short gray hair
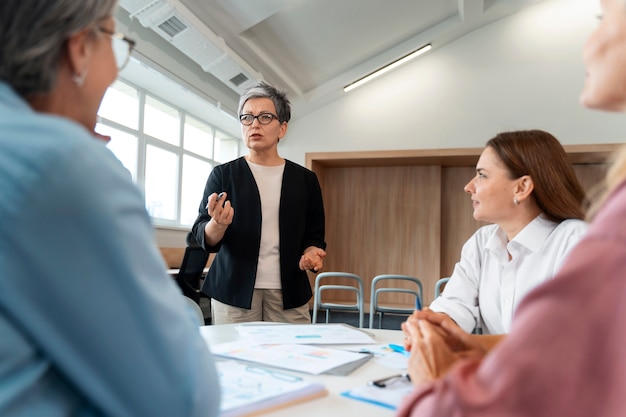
[(90, 322), (277, 233)]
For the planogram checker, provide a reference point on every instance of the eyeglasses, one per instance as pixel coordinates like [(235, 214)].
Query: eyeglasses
[(263, 118), (122, 47)]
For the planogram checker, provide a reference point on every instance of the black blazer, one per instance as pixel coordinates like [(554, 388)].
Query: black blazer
[(232, 274)]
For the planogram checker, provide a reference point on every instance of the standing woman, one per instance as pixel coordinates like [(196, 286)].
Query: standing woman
[(527, 188), (565, 353), (264, 216), (90, 322)]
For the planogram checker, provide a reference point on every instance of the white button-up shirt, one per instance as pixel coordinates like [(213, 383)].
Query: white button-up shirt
[(486, 287)]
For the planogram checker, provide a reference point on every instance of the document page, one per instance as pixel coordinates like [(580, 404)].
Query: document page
[(251, 389)]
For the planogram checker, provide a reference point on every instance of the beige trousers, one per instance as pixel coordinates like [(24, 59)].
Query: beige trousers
[(267, 305)]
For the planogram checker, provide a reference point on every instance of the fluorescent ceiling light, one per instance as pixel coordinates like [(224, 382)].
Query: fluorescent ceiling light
[(387, 67)]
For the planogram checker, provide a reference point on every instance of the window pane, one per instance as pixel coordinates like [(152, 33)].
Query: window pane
[(161, 121), (226, 147), (161, 182), (123, 146), (198, 137), (121, 105), (195, 174)]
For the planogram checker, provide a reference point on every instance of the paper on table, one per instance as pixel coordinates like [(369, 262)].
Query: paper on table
[(303, 358), (384, 355), (318, 334), (249, 389), (390, 396)]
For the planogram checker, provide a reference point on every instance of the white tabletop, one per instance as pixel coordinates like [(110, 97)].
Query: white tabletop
[(333, 404)]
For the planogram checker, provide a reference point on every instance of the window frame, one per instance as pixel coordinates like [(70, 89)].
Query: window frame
[(143, 140)]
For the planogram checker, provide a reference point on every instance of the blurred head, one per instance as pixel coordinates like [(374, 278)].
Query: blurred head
[(605, 60), (263, 112), (45, 43), (604, 56), (522, 170)]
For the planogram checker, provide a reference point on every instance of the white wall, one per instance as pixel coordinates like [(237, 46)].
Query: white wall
[(522, 72)]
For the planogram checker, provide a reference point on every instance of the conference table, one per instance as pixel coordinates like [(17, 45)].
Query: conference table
[(332, 404)]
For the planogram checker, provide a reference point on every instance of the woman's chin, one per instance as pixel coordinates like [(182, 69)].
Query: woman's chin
[(611, 103)]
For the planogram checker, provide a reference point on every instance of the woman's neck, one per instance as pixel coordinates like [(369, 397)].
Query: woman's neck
[(515, 226), (265, 159)]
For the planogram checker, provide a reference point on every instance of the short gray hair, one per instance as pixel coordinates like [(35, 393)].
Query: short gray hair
[(33, 34), (264, 90)]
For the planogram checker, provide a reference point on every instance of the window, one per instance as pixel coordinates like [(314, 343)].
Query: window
[(121, 105), (161, 121), (169, 151), (226, 147), (123, 145), (198, 137)]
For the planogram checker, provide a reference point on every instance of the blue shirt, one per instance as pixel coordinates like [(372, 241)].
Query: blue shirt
[(90, 322)]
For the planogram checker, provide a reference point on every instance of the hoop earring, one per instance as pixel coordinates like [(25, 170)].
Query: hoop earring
[(515, 201), (79, 78)]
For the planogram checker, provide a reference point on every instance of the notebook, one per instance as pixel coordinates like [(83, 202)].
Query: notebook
[(249, 390)]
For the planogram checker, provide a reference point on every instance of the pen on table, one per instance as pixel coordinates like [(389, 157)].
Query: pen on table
[(399, 349), (382, 383)]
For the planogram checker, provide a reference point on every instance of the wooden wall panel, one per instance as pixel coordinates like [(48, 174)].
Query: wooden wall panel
[(457, 220), (383, 220), (591, 177), (406, 212)]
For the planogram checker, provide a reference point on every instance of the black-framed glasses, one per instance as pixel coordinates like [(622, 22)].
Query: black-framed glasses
[(122, 47), (263, 118)]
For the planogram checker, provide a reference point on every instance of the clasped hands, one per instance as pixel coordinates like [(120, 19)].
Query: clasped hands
[(436, 343)]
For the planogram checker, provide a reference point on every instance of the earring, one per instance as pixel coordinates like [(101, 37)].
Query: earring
[(79, 78), (515, 201)]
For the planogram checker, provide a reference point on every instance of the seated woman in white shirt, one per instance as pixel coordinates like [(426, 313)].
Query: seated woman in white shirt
[(526, 187)]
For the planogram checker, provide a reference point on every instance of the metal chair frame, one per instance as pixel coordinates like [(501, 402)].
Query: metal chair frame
[(358, 306), (438, 286), (375, 307)]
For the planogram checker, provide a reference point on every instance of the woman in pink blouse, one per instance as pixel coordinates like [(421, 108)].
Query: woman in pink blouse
[(565, 353)]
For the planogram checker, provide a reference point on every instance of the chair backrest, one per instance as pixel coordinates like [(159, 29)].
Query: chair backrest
[(377, 289), (191, 271), (357, 288), (196, 309), (439, 286)]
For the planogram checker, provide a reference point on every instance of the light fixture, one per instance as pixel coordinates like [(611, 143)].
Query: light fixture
[(387, 67)]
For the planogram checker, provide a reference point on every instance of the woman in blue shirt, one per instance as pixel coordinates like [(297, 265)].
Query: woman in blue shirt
[(90, 322)]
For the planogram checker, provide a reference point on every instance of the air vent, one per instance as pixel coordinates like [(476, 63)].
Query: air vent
[(172, 26), (239, 79), (171, 20)]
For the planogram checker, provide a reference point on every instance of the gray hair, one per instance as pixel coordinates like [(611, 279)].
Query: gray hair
[(33, 35), (264, 90)]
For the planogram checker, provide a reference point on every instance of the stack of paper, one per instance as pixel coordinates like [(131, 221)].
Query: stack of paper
[(303, 358), (319, 334), (250, 389)]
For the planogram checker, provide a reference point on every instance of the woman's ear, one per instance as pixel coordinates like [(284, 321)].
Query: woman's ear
[(78, 52), (283, 130), (525, 186)]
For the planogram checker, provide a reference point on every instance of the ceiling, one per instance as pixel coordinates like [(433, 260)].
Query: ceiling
[(313, 48)]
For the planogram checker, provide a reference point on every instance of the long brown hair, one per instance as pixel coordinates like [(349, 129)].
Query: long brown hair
[(538, 154)]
